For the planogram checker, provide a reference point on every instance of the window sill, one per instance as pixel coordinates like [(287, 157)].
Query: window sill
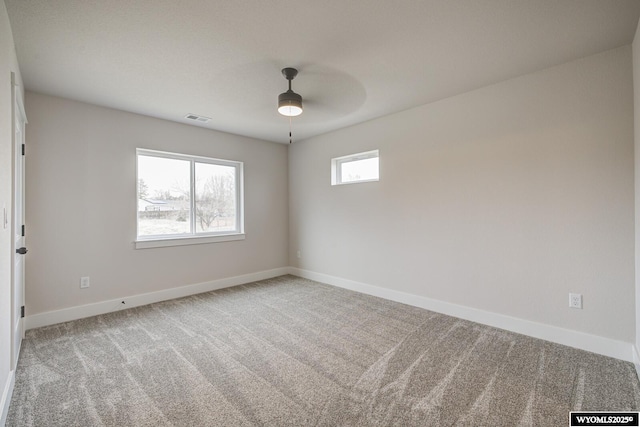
[(360, 181), (184, 241)]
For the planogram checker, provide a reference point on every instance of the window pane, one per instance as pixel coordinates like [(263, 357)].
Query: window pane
[(359, 170), (215, 198), (163, 196)]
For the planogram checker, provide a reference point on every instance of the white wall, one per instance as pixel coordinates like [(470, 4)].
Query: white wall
[(8, 64), (81, 205), (504, 199)]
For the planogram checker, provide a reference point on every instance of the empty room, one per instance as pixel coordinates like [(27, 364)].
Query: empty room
[(319, 213)]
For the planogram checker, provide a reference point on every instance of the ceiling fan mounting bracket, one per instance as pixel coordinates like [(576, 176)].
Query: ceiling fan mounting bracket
[(289, 73)]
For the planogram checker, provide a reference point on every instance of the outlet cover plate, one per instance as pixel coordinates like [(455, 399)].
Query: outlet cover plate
[(84, 282), (575, 300)]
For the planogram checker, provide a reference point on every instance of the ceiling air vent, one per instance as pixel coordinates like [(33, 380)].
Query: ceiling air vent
[(197, 118)]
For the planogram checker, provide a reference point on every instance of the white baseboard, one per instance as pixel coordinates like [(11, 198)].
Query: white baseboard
[(88, 310), (6, 397), (636, 360), (593, 343)]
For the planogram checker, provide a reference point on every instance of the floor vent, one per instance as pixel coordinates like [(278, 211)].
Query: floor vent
[(197, 118)]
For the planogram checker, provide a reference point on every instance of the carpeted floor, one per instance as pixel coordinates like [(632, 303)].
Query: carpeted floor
[(292, 352)]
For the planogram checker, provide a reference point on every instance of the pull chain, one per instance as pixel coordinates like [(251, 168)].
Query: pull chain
[(290, 138)]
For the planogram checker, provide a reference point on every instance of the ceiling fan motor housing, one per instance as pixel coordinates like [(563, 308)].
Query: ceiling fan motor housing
[(290, 98)]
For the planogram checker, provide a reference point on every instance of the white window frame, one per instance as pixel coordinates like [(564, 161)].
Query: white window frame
[(193, 237), (336, 166)]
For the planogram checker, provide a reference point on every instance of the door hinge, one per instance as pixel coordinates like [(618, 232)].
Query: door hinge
[(23, 148), (22, 311), (22, 230)]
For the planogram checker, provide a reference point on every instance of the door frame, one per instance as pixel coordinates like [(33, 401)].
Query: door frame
[(18, 114)]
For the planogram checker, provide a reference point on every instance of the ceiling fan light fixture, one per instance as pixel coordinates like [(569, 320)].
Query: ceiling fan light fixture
[(289, 102)]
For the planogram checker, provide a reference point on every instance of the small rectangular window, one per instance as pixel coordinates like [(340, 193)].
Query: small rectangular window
[(361, 167), (182, 197)]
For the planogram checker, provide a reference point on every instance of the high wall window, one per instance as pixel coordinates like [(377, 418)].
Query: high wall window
[(186, 199), (360, 167)]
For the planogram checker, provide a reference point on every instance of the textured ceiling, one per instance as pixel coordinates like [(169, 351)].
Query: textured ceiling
[(358, 59)]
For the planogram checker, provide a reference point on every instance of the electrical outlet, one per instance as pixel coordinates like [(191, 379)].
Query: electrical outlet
[(575, 300), (84, 282)]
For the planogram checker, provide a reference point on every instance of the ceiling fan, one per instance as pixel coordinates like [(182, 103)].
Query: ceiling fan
[(289, 102), (330, 95)]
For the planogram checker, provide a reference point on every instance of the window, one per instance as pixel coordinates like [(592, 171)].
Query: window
[(187, 199), (361, 167)]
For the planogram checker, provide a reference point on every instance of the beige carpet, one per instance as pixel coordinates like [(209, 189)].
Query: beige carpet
[(292, 352)]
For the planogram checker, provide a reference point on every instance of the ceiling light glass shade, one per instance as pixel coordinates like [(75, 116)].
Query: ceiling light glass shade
[(289, 104)]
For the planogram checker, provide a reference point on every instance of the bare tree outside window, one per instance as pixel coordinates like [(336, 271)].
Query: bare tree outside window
[(143, 189), (215, 197)]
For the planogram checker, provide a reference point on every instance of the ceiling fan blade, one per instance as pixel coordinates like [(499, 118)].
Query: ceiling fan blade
[(322, 88)]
